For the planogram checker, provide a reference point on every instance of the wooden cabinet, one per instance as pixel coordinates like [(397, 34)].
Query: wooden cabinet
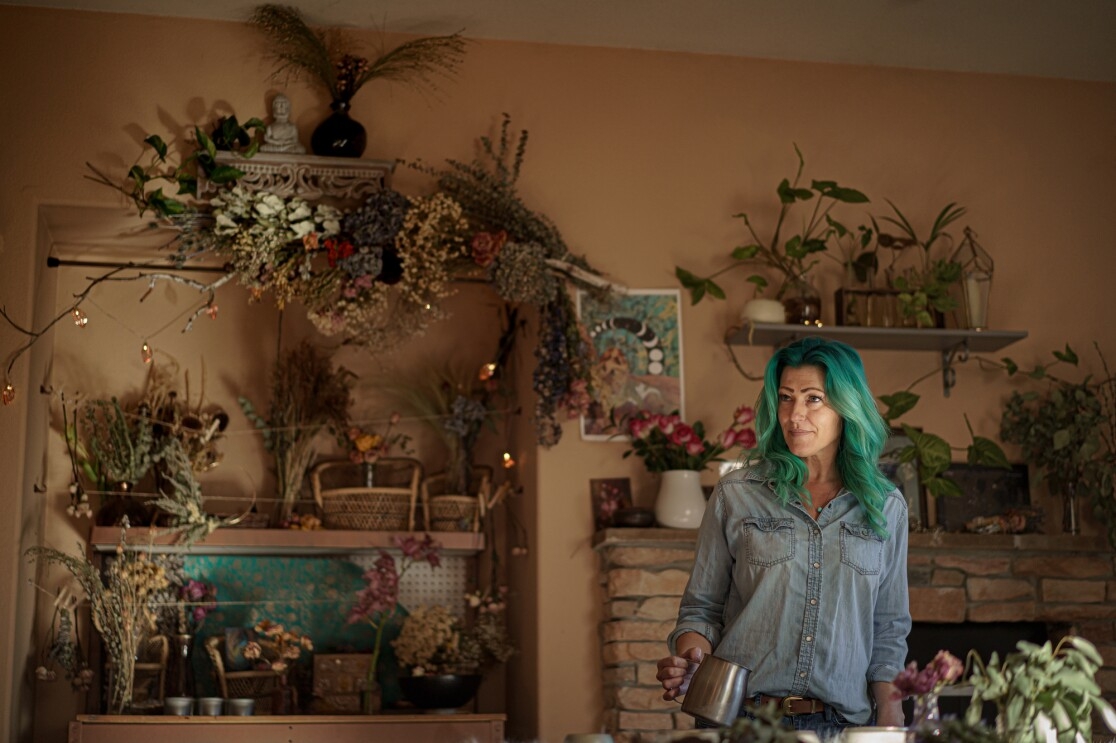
[(388, 728)]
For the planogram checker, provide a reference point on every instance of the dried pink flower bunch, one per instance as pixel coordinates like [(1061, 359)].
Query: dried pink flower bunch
[(944, 669)]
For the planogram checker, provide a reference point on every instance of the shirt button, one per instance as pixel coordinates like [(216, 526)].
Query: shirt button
[(817, 564), (809, 638), (802, 675), (813, 602)]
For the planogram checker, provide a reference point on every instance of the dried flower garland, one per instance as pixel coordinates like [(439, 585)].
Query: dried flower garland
[(376, 276)]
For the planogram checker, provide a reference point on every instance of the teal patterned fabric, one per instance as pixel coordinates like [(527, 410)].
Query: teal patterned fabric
[(310, 595)]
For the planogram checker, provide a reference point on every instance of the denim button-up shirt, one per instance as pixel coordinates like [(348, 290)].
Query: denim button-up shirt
[(816, 609)]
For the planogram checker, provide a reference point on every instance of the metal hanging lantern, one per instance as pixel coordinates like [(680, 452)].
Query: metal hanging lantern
[(976, 281)]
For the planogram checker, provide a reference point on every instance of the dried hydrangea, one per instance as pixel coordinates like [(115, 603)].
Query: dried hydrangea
[(520, 274), (429, 641), (382, 316), (562, 356), (379, 220)]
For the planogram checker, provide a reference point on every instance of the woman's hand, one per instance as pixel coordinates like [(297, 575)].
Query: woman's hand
[(889, 705), (676, 671)]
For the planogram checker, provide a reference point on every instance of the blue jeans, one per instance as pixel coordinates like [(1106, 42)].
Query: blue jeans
[(828, 723)]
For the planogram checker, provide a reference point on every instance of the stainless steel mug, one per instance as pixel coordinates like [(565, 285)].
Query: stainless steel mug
[(717, 691)]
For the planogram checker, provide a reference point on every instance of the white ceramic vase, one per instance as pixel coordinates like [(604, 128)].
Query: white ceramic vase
[(681, 501)]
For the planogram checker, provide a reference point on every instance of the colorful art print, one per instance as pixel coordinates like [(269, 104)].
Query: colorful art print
[(636, 341), (608, 495)]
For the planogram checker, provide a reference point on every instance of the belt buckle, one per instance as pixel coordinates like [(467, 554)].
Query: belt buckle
[(785, 705)]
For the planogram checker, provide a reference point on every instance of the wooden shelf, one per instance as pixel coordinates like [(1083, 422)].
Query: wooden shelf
[(895, 339), (384, 728), (953, 345), (278, 541)]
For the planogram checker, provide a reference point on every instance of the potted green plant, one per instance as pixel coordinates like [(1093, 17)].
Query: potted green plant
[(792, 256), (1068, 431), (924, 290), (1040, 688)]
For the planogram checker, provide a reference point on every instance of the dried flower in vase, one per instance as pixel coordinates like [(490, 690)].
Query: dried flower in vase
[(195, 600), (276, 648), (436, 641), (366, 447), (326, 56), (307, 395), (120, 607), (378, 601)]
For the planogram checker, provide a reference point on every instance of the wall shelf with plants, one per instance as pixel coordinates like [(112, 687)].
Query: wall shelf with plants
[(953, 345)]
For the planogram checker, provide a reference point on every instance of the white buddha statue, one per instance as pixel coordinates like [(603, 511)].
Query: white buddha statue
[(281, 134)]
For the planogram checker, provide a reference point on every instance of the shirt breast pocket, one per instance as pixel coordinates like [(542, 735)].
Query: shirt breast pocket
[(861, 549), (768, 541)]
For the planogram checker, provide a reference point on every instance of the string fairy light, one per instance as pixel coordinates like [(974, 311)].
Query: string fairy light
[(9, 394), (508, 461), (80, 318), (146, 353)]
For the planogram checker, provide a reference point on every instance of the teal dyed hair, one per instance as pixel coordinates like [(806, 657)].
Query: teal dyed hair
[(864, 431)]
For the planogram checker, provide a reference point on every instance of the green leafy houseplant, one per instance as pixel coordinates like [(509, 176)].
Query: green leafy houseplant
[(145, 180), (1054, 681), (1068, 431), (791, 257), (924, 289)]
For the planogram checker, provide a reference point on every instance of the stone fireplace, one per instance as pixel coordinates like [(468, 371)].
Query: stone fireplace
[(1029, 583)]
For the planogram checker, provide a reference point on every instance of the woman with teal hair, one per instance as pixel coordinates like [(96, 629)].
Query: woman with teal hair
[(800, 571)]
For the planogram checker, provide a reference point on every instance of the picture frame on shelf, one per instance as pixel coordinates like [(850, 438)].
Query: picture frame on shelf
[(608, 495), (636, 338)]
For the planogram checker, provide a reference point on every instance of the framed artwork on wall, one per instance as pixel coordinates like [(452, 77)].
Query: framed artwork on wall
[(636, 341)]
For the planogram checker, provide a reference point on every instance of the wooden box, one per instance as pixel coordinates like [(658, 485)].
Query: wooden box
[(339, 680)]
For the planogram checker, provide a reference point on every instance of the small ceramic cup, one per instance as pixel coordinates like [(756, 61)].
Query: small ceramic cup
[(874, 735), (240, 707), (211, 706), (178, 705)]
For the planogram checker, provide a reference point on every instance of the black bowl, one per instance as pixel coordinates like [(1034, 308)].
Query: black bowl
[(640, 518), (449, 691)]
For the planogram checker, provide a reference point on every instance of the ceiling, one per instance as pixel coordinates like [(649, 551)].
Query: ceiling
[(1072, 39)]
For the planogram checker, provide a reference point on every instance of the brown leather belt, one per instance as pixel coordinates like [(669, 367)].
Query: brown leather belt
[(792, 706)]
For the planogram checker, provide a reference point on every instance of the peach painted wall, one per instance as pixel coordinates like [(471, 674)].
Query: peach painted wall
[(641, 159)]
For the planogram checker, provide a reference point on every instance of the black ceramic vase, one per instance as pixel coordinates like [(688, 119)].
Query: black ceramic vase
[(339, 135)]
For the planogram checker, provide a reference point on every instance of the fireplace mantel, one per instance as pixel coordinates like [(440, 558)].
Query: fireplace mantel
[(1066, 581)]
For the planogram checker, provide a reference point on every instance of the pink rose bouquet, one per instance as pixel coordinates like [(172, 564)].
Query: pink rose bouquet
[(666, 442)]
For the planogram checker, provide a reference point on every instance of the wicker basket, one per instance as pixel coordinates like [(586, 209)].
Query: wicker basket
[(376, 497), (257, 685), (454, 512)]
